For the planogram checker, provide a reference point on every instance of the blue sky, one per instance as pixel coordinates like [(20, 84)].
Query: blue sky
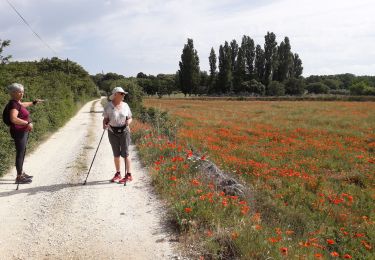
[(128, 36)]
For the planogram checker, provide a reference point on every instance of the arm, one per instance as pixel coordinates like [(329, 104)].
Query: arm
[(15, 120), (105, 123), (18, 121), (32, 103)]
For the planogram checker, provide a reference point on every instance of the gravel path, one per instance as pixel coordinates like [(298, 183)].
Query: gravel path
[(56, 217)]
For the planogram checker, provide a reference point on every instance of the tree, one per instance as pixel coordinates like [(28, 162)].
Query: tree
[(247, 45), (275, 88), (203, 83), (317, 88), (332, 83), (234, 53), (362, 88), (285, 58), (225, 69), (259, 63), (189, 69), (240, 71), (270, 56), (212, 60), (4, 59), (141, 75), (294, 86), (296, 69)]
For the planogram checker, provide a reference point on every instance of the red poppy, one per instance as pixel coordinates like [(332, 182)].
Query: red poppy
[(195, 182), (274, 239), (366, 245), (284, 250), (335, 254), (188, 210), (234, 235), (173, 178), (347, 256), (331, 241), (317, 255)]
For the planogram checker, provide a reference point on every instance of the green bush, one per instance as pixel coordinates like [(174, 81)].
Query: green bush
[(275, 88), (63, 84), (295, 87), (362, 88), (253, 87), (317, 88)]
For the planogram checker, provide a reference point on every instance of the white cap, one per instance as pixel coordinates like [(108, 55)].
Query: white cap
[(15, 87), (117, 90)]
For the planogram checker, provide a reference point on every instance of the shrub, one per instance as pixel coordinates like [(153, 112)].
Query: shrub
[(362, 88), (276, 88), (254, 87), (317, 88), (295, 87)]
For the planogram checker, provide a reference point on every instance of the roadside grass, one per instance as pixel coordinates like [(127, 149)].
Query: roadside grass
[(310, 164)]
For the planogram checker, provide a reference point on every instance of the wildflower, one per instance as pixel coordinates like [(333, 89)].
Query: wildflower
[(188, 210), (189, 154), (245, 209), (289, 232), (284, 250), (347, 256), (335, 254), (274, 239), (258, 227), (195, 182), (318, 255), (366, 245), (234, 235), (330, 241)]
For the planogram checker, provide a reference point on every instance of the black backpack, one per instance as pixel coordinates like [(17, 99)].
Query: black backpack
[(6, 114)]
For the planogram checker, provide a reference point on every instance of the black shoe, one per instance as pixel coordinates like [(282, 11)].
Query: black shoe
[(27, 176), (22, 180)]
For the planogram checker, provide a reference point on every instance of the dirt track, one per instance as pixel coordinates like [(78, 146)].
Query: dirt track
[(56, 217)]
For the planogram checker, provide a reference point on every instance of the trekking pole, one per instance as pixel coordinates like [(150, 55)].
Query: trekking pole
[(23, 160), (126, 158), (93, 159), (125, 171)]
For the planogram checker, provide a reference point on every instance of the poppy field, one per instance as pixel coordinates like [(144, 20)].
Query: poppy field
[(310, 167)]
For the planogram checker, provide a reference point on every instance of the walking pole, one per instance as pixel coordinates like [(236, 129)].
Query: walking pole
[(27, 139), (94, 157), (125, 158)]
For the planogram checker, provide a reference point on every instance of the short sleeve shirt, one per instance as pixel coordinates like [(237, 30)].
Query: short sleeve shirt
[(117, 115), (23, 114)]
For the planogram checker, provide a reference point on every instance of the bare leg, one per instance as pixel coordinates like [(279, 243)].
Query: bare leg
[(128, 162), (117, 163)]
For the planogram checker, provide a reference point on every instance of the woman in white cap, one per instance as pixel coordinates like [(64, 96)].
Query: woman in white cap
[(20, 126), (117, 117)]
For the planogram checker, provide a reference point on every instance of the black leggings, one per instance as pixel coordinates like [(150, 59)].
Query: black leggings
[(20, 140)]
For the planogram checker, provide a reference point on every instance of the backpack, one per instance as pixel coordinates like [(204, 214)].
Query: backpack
[(6, 114)]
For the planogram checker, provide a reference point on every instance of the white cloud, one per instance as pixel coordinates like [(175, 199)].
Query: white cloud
[(129, 36)]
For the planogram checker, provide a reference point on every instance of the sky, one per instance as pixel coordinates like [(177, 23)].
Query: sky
[(131, 36)]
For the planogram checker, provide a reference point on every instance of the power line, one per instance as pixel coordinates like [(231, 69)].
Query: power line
[(28, 25)]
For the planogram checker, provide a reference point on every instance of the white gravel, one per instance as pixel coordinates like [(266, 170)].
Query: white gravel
[(56, 217)]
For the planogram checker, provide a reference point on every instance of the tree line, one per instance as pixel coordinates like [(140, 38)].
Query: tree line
[(245, 68)]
